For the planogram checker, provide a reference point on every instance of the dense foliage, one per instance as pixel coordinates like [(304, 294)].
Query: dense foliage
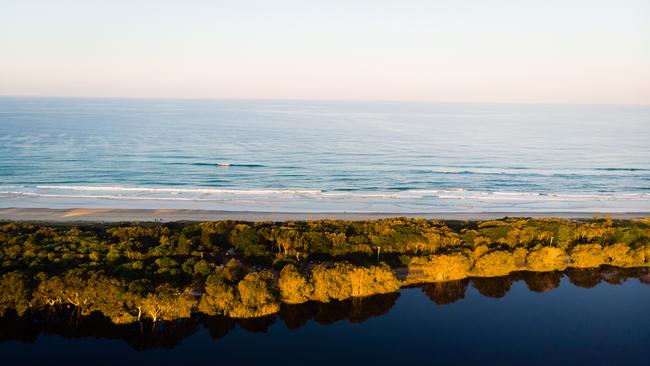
[(243, 269)]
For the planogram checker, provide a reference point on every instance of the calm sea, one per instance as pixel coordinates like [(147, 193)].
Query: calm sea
[(323, 156)]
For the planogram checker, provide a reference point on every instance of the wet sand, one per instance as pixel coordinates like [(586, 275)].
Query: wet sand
[(167, 215)]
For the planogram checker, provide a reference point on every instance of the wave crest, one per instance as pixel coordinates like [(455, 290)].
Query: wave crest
[(259, 194)]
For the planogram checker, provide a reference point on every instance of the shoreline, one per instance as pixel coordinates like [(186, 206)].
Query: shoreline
[(194, 215)]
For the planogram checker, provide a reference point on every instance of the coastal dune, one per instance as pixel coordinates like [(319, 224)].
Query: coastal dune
[(168, 215)]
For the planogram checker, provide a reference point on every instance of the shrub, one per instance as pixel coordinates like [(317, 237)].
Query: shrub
[(493, 264), (547, 259), (620, 255), (587, 256), (366, 281), (294, 287), (439, 268), (257, 296)]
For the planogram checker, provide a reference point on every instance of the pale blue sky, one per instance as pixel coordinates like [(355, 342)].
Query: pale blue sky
[(571, 51)]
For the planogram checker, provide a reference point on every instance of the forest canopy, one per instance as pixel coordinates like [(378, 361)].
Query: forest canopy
[(166, 271)]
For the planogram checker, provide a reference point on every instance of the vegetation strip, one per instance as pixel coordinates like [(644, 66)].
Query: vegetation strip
[(156, 271)]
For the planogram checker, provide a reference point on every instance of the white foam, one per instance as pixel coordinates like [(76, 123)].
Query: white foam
[(204, 193), (181, 190)]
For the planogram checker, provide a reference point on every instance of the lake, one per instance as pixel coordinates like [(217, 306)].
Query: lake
[(595, 317)]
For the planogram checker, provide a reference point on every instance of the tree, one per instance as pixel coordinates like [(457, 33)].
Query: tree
[(294, 287)]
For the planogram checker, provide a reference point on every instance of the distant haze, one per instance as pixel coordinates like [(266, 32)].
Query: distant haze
[(577, 51)]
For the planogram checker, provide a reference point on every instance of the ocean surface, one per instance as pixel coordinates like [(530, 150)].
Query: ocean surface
[(323, 156), (580, 317)]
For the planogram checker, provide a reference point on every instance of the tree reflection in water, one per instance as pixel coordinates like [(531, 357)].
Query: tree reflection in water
[(587, 278), (443, 293), (542, 281), (496, 287), (146, 335)]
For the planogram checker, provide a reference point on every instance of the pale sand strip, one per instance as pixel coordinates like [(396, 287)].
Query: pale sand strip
[(167, 215)]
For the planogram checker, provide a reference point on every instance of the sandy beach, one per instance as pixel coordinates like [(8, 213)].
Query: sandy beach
[(167, 215)]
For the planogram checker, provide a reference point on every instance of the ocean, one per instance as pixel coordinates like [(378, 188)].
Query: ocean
[(302, 156)]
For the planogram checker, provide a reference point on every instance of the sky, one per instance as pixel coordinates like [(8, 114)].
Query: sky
[(569, 51)]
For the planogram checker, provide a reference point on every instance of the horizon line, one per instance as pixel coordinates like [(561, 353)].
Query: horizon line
[(324, 100)]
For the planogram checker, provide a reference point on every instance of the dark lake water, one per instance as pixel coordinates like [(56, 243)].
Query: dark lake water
[(579, 317)]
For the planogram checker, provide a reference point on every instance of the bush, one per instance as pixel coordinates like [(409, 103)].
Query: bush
[(546, 259), (587, 256), (493, 264), (294, 287), (440, 268)]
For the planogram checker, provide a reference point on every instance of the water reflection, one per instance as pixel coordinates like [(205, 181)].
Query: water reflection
[(145, 335), (542, 281), (496, 287), (445, 292)]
